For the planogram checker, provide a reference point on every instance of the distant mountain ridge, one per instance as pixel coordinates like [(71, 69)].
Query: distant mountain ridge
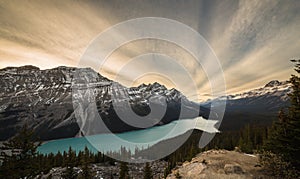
[(258, 106), (273, 88), (43, 99)]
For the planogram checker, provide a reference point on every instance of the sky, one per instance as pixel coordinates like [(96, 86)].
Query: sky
[(253, 40)]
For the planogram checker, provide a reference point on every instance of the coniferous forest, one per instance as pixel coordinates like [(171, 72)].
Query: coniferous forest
[(278, 146)]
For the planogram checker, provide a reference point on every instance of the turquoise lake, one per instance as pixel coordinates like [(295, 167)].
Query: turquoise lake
[(141, 139)]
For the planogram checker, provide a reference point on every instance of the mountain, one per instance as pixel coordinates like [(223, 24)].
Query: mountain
[(44, 100), (258, 106)]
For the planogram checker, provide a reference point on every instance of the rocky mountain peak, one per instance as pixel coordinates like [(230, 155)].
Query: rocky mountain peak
[(45, 98), (273, 83), (19, 70)]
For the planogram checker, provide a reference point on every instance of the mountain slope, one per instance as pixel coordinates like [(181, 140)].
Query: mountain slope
[(259, 106), (43, 99)]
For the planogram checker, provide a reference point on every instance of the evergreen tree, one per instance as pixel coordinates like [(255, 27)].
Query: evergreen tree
[(277, 137), (69, 173), (18, 155), (85, 161), (147, 171), (293, 129), (284, 137), (58, 159), (124, 171)]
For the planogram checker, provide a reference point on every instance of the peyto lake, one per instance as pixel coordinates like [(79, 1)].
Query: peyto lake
[(140, 139)]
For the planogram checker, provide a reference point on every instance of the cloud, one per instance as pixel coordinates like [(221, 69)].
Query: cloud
[(255, 44), (252, 39)]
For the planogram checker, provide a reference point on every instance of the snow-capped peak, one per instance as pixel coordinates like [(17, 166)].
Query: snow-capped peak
[(273, 88)]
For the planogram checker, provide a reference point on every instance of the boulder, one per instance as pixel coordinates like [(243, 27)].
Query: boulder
[(233, 169)]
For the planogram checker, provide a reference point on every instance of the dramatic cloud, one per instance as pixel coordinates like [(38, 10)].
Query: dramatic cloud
[(253, 40)]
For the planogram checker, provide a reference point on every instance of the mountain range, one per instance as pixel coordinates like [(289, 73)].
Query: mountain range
[(43, 99), (258, 106)]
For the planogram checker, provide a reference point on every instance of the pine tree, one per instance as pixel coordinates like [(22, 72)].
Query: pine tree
[(85, 161), (293, 150), (147, 171), (58, 159), (124, 171), (69, 173), (18, 155), (277, 137), (284, 137)]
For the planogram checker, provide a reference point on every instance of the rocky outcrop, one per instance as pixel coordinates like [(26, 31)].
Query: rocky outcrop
[(233, 169), (219, 164)]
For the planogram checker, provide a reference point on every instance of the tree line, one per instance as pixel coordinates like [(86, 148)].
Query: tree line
[(20, 159)]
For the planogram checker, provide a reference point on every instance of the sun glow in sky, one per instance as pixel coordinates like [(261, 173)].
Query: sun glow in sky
[(254, 40)]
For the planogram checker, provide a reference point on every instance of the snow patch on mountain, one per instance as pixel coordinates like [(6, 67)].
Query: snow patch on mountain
[(47, 99), (274, 88)]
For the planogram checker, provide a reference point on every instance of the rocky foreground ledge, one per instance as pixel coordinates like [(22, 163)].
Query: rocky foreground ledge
[(220, 164)]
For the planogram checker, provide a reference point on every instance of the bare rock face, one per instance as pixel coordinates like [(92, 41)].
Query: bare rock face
[(44, 99), (193, 169), (219, 164)]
